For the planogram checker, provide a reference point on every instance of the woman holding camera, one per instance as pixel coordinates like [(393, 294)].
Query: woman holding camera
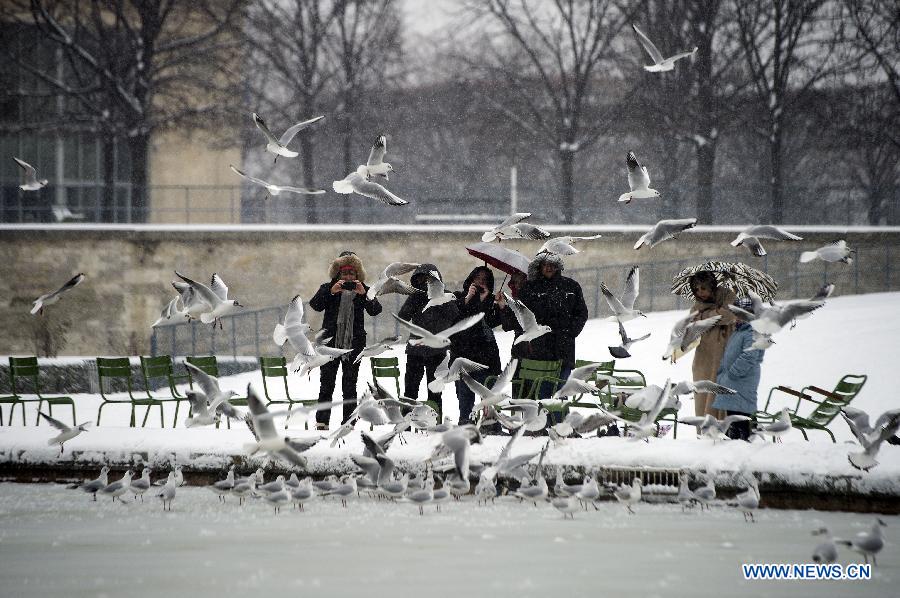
[(344, 302), (476, 343)]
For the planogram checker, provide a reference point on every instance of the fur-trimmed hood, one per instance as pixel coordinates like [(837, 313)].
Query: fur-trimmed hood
[(534, 268), (334, 270)]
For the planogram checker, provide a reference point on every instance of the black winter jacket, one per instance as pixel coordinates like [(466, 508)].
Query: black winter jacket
[(324, 300), (557, 302), (478, 343), (434, 320)]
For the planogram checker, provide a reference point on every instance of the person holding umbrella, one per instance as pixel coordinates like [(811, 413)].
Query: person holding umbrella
[(710, 300)]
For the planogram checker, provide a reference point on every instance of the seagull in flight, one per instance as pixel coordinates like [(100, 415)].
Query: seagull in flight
[(495, 394), (438, 340), (638, 181), (687, 331), (388, 282), (171, 309), (527, 320), (358, 182), (664, 230), (279, 146), (870, 438), (273, 189), (621, 352), (833, 252), (623, 310), (216, 295), (65, 432), (31, 181), (750, 236), (375, 165), (660, 64), (564, 245), (769, 320), (51, 298), (514, 227), (447, 372), (437, 295)]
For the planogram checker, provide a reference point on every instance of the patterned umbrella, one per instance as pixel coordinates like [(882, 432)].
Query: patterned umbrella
[(738, 277)]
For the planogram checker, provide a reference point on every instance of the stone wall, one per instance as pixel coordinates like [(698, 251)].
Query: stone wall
[(129, 271)]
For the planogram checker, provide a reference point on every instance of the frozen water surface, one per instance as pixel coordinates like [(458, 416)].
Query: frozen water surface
[(57, 542)]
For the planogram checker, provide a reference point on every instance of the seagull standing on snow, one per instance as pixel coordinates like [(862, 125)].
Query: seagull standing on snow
[(660, 64), (279, 146), (776, 429), (51, 298), (629, 495), (867, 543), (623, 310), (31, 181), (833, 252), (750, 236), (825, 552), (638, 181), (664, 230), (514, 228), (274, 189), (65, 432), (357, 182)]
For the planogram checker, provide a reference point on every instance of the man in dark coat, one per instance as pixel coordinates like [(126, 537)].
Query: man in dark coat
[(476, 343), (344, 302), (558, 302), (422, 359)]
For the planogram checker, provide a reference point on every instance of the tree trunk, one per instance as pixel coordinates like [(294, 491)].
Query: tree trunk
[(348, 158), (139, 150), (306, 149), (108, 173), (874, 211), (706, 164), (776, 212), (567, 185)]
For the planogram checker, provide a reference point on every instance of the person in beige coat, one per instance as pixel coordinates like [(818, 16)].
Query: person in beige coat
[(710, 300)]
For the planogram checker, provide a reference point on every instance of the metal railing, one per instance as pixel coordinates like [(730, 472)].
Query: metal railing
[(233, 204), (250, 332)]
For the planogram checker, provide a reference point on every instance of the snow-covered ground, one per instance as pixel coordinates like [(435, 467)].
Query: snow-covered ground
[(57, 542), (853, 334)]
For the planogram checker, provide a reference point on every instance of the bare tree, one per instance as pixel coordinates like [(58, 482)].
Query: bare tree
[(788, 48), (367, 49), (291, 69), (135, 67), (700, 100), (876, 33), (553, 58)]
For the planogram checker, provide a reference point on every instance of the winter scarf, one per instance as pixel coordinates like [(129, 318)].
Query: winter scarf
[(343, 337)]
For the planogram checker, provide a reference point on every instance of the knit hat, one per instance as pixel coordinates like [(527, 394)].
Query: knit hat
[(744, 303)]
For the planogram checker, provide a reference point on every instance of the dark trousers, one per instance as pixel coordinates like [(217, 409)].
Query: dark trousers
[(467, 397), (327, 377), (416, 366), (739, 430)]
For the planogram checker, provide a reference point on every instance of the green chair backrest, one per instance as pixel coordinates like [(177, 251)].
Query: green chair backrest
[(207, 363), (114, 368), (24, 367), (531, 372), (847, 388), (274, 367), (386, 367), (157, 367)]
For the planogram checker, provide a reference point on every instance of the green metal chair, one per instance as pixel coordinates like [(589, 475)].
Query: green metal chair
[(209, 365), (27, 368), (847, 389), (161, 366), (386, 367), (119, 368), (276, 367)]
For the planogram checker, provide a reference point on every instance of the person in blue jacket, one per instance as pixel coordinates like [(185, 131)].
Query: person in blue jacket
[(740, 370)]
